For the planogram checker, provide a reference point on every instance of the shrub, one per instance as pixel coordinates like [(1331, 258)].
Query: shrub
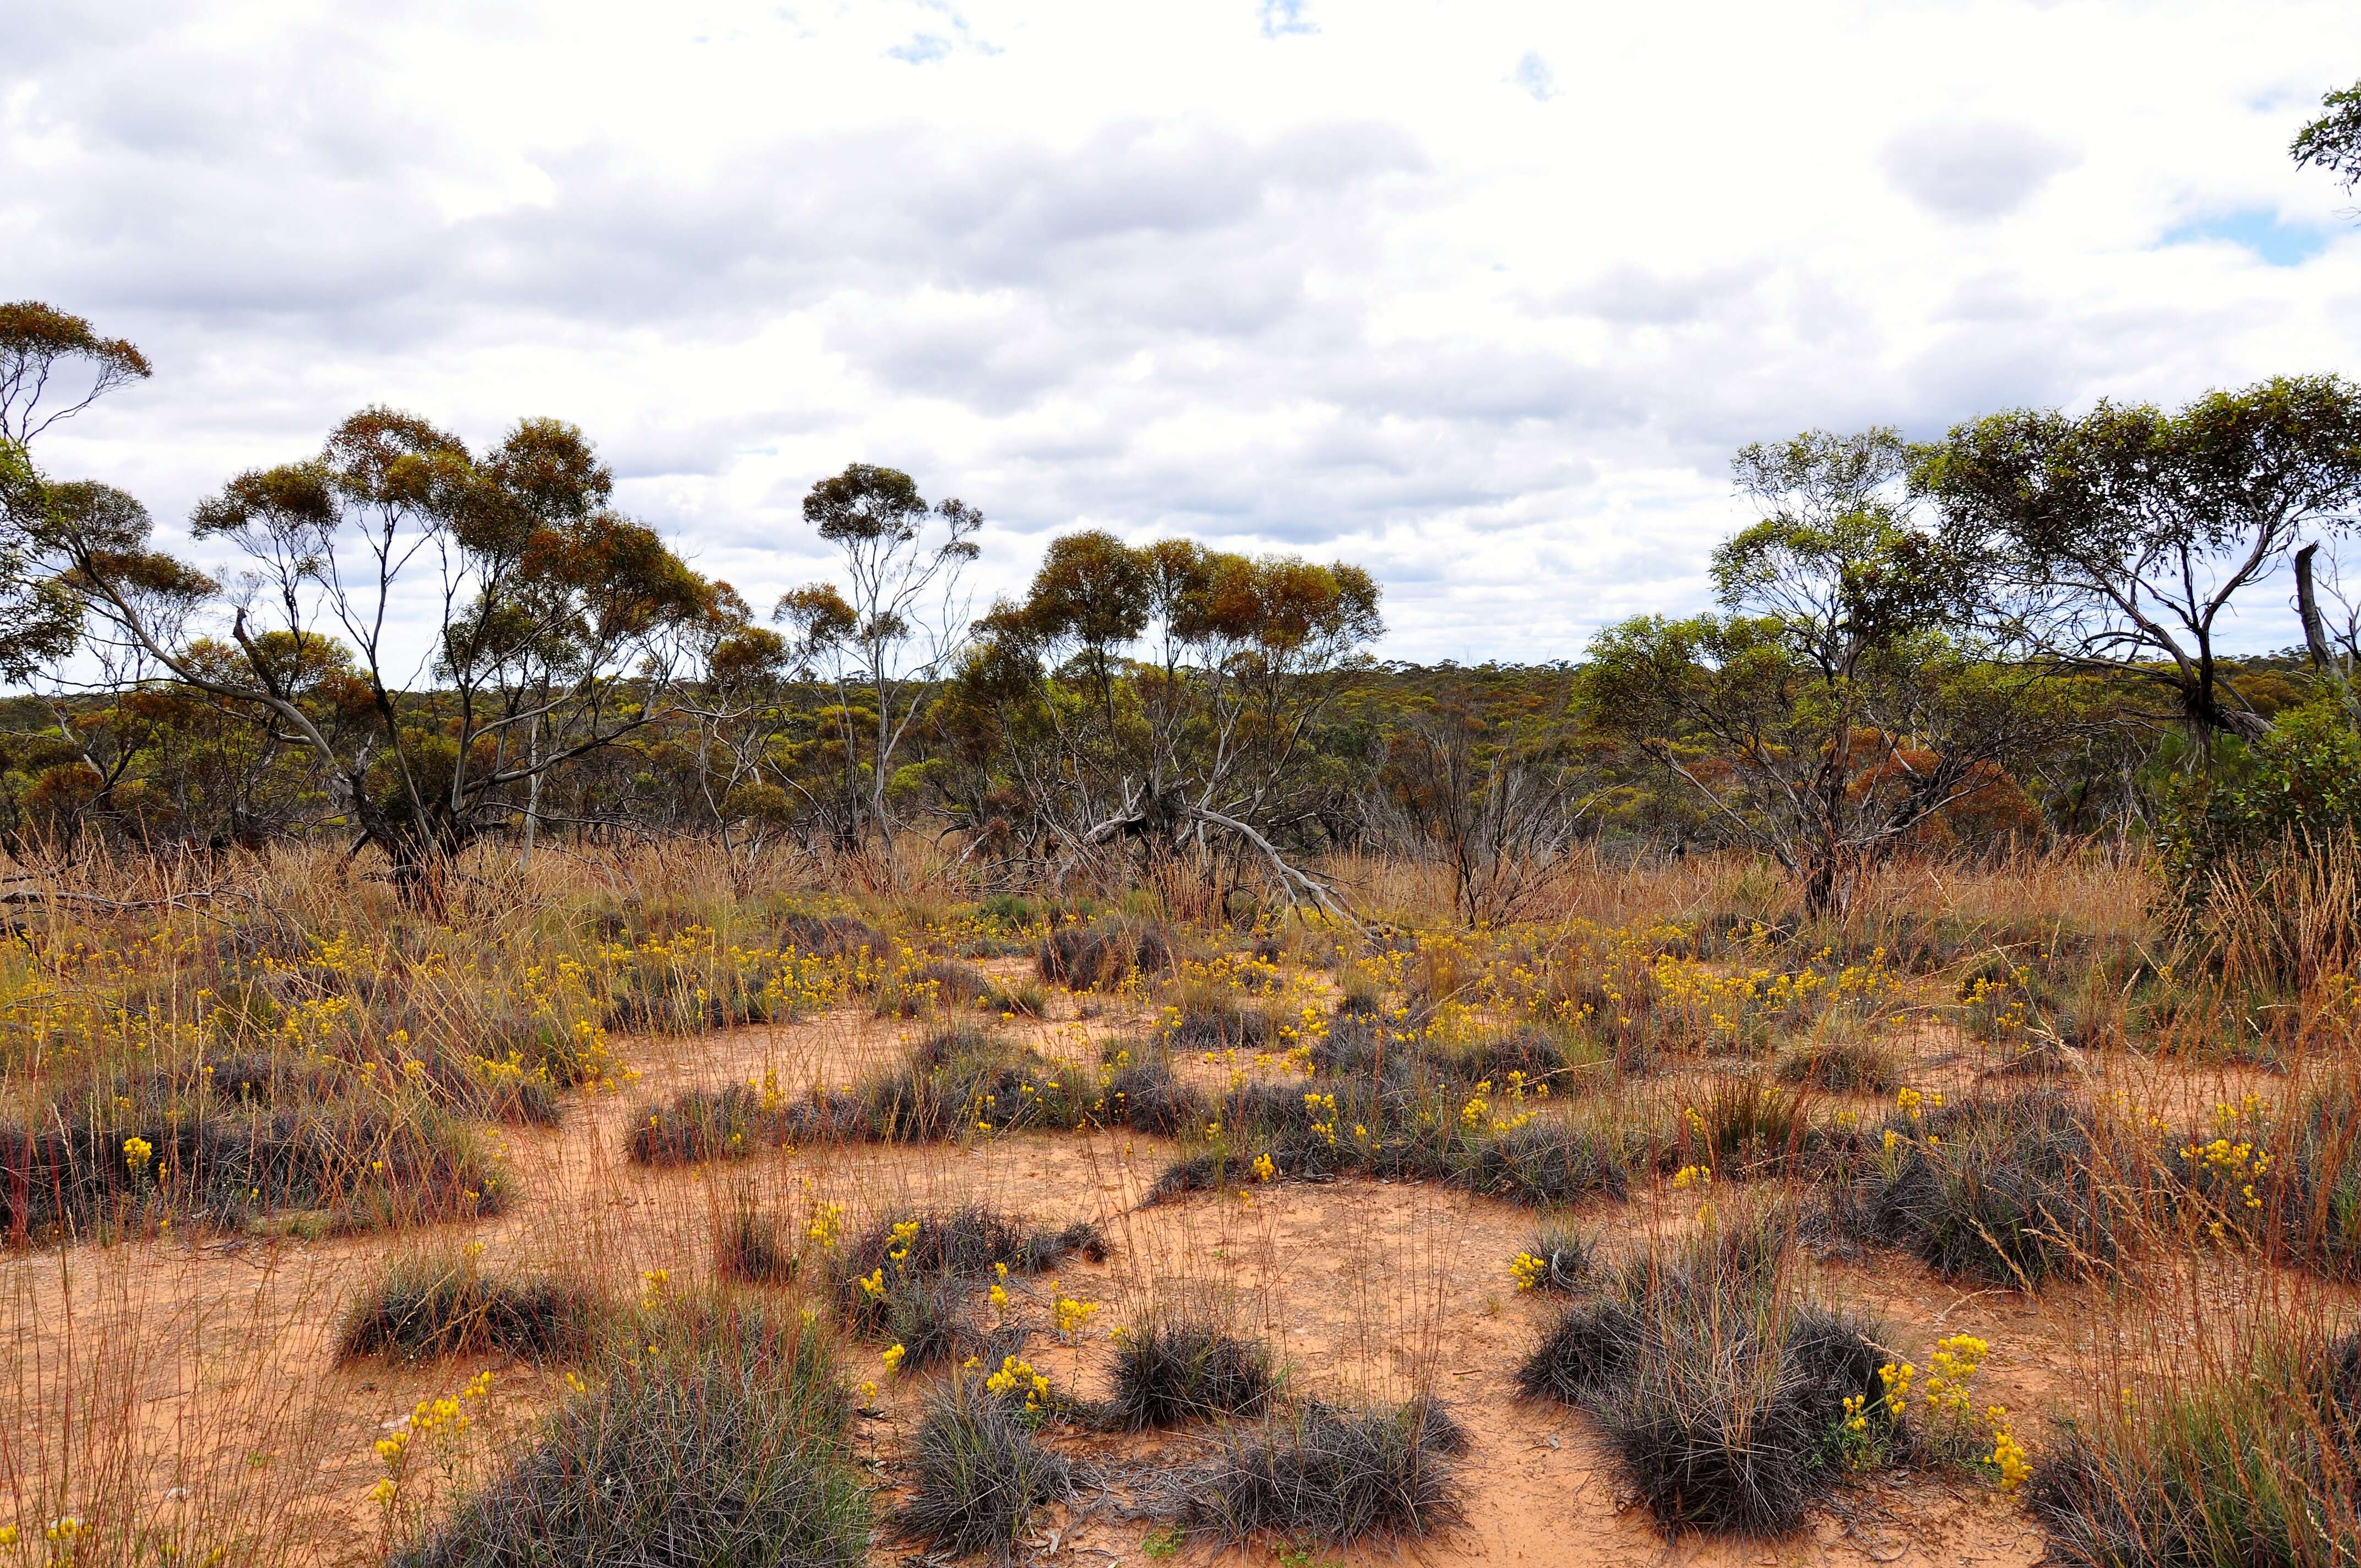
[(723, 1447), (1187, 1369), (366, 1168), (2005, 1189), (1840, 1066), (981, 1475), (2262, 869), (1545, 1161), (2249, 1462), (426, 1306), (1325, 1473), (909, 1280), (1102, 954), (1721, 1395)]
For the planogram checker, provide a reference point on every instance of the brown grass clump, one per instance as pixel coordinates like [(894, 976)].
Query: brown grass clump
[(1104, 953), (429, 1305)]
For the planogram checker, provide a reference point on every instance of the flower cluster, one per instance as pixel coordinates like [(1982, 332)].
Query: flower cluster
[(1016, 1378)]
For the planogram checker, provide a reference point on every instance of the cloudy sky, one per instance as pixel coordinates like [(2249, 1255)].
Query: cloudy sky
[(1480, 294)]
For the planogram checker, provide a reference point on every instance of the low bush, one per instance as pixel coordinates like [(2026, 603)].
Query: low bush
[(1174, 1370), (981, 1475), (2006, 1188), (909, 1280), (363, 1168), (428, 1306), (1325, 1472), (1104, 953), (1840, 1066), (720, 1443)]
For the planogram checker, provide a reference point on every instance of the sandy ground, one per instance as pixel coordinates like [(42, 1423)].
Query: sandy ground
[(206, 1362)]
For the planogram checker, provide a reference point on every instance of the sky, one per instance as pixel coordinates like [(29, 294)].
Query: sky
[(1480, 295)]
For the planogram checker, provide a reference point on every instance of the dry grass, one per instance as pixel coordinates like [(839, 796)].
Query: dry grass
[(1348, 1115)]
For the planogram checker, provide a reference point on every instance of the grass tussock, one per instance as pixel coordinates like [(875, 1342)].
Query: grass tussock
[(1557, 1260), (1104, 953), (430, 1305), (1840, 1066), (1722, 1394), (962, 1080), (1327, 1473), (2255, 1459), (754, 1247), (1175, 1370), (980, 1474), (2008, 1189), (357, 1168), (720, 1444), (912, 1279)]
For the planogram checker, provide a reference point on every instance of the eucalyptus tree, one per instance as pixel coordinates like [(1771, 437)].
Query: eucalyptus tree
[(2120, 540), (2333, 140), (1833, 707), (54, 365), (893, 630), (554, 626), (1164, 699)]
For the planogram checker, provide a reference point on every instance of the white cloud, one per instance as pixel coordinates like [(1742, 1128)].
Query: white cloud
[(1534, 75), (1973, 171), (1282, 275)]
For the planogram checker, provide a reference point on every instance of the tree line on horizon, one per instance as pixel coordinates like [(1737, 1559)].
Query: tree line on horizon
[(2009, 634)]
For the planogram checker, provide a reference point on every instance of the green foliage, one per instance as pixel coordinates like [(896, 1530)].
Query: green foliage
[(2245, 845), (2114, 540), (2332, 141), (2299, 782)]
